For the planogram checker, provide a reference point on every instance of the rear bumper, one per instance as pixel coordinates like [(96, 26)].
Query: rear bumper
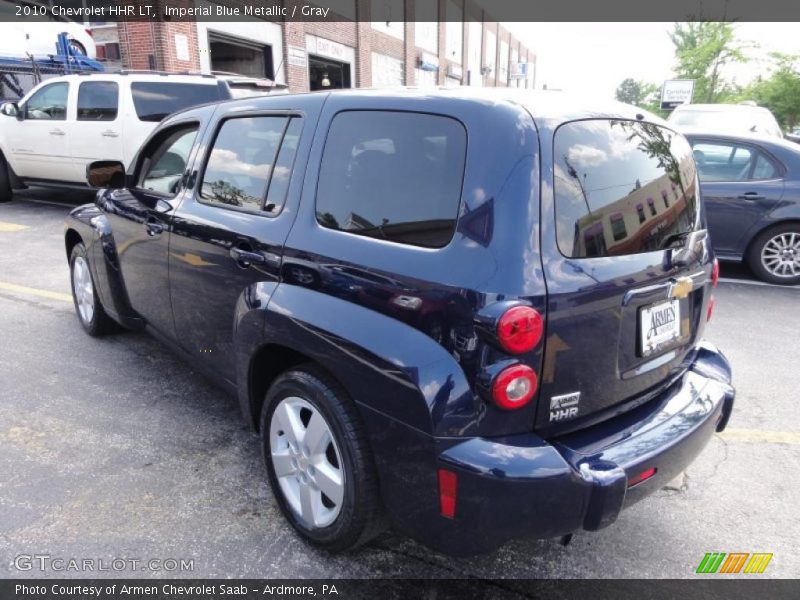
[(524, 486)]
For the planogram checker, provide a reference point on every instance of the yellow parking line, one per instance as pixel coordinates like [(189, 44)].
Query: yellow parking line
[(11, 227), (757, 436), (29, 291)]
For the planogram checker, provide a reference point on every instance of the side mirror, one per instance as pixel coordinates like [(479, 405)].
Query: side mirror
[(10, 109), (106, 174)]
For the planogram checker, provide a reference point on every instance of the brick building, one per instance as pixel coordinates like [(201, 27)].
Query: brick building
[(422, 43)]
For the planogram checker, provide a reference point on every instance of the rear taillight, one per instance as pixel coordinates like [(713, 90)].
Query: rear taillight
[(715, 273), (448, 482), (643, 476), (520, 329), (89, 33), (712, 302), (514, 387)]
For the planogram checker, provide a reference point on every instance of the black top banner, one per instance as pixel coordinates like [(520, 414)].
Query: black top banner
[(401, 10), (388, 589)]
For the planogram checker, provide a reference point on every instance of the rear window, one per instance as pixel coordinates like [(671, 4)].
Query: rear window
[(622, 187), (393, 175), (154, 100)]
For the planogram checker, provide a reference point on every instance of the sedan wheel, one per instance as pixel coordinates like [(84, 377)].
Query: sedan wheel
[(774, 254), (781, 255), (307, 462)]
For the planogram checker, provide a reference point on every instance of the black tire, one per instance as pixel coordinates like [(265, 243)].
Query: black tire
[(6, 193), (99, 323), (360, 515), (77, 46), (754, 255)]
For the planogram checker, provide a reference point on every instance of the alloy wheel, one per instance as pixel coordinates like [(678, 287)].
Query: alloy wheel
[(307, 462), (780, 256), (83, 289)]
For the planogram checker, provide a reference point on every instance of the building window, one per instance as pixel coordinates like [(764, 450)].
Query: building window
[(652, 206), (235, 55), (388, 16), (640, 212), (394, 176), (513, 67), (491, 53), (666, 200), (503, 67), (386, 71), (426, 79), (618, 227), (454, 33), (426, 25), (327, 74)]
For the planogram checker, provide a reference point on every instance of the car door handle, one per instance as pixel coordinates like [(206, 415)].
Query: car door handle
[(57, 132), (110, 133), (752, 196), (245, 258), (153, 227)]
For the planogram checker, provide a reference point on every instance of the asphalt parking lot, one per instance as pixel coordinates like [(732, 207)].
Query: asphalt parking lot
[(114, 448)]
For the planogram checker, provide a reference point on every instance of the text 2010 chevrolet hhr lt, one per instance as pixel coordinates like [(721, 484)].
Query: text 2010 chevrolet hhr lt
[(473, 315)]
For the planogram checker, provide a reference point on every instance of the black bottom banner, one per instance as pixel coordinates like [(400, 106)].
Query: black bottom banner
[(252, 589)]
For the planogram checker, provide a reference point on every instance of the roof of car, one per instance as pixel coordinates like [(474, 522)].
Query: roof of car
[(544, 106), (718, 107), (753, 137), (145, 76)]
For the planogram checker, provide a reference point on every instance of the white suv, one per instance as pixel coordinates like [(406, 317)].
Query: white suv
[(726, 118), (65, 123)]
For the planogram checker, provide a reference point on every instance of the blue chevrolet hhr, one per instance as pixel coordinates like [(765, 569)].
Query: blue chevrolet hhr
[(468, 315)]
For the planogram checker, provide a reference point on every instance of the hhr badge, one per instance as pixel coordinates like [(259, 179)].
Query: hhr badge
[(564, 407)]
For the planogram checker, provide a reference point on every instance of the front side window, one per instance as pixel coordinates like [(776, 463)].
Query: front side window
[(154, 100), (48, 104), (98, 101), (165, 161), (241, 162), (393, 175), (606, 171)]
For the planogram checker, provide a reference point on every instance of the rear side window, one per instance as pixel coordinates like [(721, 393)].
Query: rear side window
[(154, 100), (98, 101), (606, 173), (723, 161), (250, 163), (393, 175)]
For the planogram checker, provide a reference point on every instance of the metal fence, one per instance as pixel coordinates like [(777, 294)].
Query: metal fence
[(20, 74)]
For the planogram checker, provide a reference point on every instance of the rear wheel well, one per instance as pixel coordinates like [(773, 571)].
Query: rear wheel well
[(267, 364), (71, 238), (746, 255)]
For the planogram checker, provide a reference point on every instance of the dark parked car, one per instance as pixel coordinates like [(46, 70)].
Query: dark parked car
[(457, 312), (751, 191)]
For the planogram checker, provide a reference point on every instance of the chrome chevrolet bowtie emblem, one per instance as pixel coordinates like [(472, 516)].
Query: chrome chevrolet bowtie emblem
[(681, 287)]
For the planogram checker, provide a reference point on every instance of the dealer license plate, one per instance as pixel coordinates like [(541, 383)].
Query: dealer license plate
[(659, 325)]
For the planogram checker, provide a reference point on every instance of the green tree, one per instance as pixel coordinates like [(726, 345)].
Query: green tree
[(702, 49), (640, 93), (780, 92)]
